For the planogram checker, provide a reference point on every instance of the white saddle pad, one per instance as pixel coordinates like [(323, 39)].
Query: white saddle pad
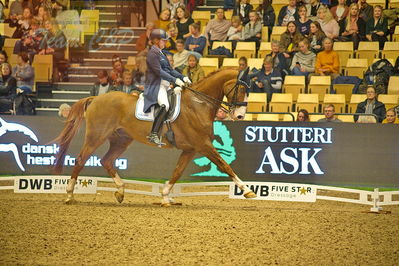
[(150, 115)]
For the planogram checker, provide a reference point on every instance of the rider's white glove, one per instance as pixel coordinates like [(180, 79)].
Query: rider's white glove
[(187, 80), (179, 82)]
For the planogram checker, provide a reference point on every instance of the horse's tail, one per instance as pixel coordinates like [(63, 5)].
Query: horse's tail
[(71, 127)]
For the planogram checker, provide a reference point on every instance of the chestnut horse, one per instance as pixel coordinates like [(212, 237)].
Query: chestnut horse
[(111, 117)]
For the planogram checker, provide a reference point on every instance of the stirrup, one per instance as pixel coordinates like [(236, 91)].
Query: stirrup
[(153, 138)]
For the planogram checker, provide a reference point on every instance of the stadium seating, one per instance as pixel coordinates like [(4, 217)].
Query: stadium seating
[(393, 3), (356, 67), (355, 100), (345, 51), (6, 30), (368, 50), (268, 117), (278, 5), (265, 34), (43, 65), (294, 85), (228, 14), (390, 100), (346, 89), (247, 49), (89, 20), (315, 118), (277, 31), (309, 102), (288, 118), (227, 45), (338, 100), (257, 102), (209, 64), (346, 118), (391, 50), (249, 117), (264, 49), (320, 85), (281, 102), (393, 85), (13, 59), (202, 16), (255, 63), (131, 63), (395, 36), (230, 62), (9, 45), (376, 2)]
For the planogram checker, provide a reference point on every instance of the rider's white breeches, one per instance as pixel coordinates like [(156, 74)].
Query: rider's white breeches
[(163, 95)]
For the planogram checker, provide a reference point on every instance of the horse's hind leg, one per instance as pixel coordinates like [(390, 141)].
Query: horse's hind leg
[(210, 152), (118, 142)]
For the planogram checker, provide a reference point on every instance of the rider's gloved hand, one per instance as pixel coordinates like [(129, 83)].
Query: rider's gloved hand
[(179, 82), (187, 80)]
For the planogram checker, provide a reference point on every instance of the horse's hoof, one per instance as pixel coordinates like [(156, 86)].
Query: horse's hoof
[(70, 201), (250, 195), (165, 204), (119, 196)]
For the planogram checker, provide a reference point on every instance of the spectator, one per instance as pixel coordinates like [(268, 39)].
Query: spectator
[(267, 80), (287, 13), (327, 61), (22, 25), (329, 113), (173, 6), (391, 117), (279, 60), (252, 31), (217, 28), (234, 33), (353, 28), (304, 61), (377, 27), (340, 11), (143, 41), (30, 42), (24, 73), (116, 72), (3, 57), (59, 6), (64, 110), (242, 63), (242, 10), (314, 9), (303, 23), (316, 37), (370, 106), (196, 42), (127, 85), (163, 20), (138, 75), (303, 116), (42, 16), (366, 11), (289, 40), (269, 17), (170, 44), (183, 22), (228, 4), (328, 24), (181, 55), (103, 84), (8, 88), (16, 10), (193, 70)]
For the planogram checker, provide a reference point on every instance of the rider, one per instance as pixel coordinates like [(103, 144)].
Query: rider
[(159, 77)]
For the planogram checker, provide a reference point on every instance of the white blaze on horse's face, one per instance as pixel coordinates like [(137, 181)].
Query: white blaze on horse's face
[(239, 112)]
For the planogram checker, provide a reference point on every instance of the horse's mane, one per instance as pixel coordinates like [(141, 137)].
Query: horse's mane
[(199, 82)]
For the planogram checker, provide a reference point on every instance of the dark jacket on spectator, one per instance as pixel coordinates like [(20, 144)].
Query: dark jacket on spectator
[(8, 87), (282, 14), (378, 110), (382, 25), (96, 88), (269, 17), (248, 8), (361, 25)]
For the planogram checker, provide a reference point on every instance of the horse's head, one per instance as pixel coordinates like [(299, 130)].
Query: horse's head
[(236, 93)]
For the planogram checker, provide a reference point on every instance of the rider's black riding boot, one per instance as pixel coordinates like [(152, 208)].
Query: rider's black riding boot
[(157, 125)]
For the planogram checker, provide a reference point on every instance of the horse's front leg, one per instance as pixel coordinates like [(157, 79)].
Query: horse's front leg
[(184, 159), (210, 152)]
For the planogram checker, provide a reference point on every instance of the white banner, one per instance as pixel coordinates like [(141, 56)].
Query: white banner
[(53, 184), (277, 191)]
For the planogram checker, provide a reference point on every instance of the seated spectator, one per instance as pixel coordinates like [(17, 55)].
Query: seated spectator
[(24, 73), (196, 42), (391, 117), (170, 44), (183, 22), (47, 5), (314, 9), (253, 29), (328, 24), (340, 11), (163, 20), (278, 58), (365, 10), (173, 6), (242, 10), (30, 41), (117, 71), (370, 106), (22, 25), (377, 27), (303, 116), (3, 57), (287, 13), (303, 22), (304, 61), (327, 61), (289, 40), (242, 63), (267, 80), (16, 10), (316, 37), (353, 28), (193, 70), (127, 85), (181, 55), (103, 84), (143, 41), (64, 110), (43, 15), (329, 113), (8, 88), (217, 28), (138, 75), (268, 15), (59, 6), (234, 33)]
